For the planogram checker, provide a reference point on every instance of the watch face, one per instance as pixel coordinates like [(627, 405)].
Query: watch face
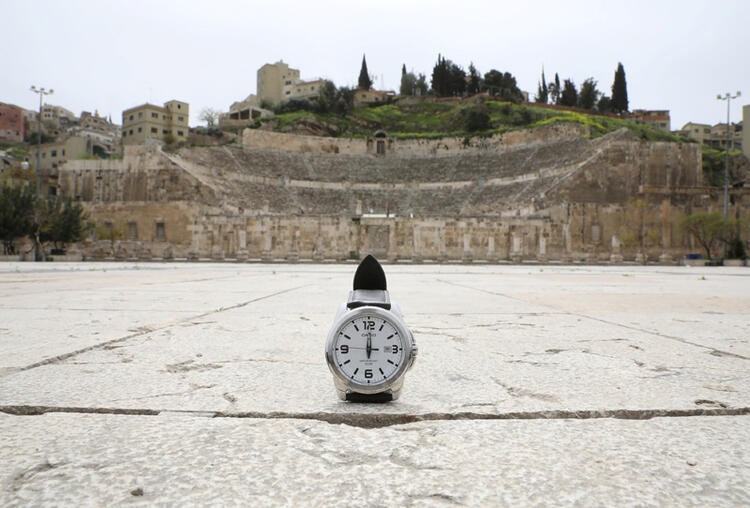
[(368, 348)]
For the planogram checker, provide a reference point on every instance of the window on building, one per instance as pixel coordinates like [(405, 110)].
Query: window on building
[(180, 133), (132, 231), (53, 153), (154, 130), (164, 131), (139, 129), (131, 118), (160, 235), (131, 132), (181, 118), (140, 114), (63, 152), (179, 106), (154, 115)]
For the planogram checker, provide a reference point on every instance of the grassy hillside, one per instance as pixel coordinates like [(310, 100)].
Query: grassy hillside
[(432, 119)]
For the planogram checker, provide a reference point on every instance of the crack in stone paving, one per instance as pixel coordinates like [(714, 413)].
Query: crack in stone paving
[(144, 331), (713, 351), (380, 420)]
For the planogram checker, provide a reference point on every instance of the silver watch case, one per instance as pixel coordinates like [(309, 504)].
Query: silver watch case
[(392, 385)]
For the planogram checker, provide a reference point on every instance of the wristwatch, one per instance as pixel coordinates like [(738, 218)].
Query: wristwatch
[(369, 347)]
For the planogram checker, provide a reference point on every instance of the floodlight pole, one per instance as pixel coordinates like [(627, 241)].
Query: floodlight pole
[(727, 97), (41, 92)]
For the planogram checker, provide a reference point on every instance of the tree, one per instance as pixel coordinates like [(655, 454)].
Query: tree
[(569, 95), (503, 85), (472, 88), (16, 207), (554, 90), (448, 79), (604, 105), (542, 93), (408, 83), (620, 91), (344, 100), (66, 222), (364, 81), (588, 95), (57, 221), (210, 116), (421, 87), (334, 100), (709, 229), (475, 119)]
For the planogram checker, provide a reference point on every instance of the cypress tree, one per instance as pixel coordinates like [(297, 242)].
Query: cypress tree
[(542, 93), (620, 91), (364, 77)]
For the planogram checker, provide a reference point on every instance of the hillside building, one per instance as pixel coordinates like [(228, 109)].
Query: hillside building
[(715, 136), (57, 117), (13, 125), (655, 118), (746, 132), (155, 122)]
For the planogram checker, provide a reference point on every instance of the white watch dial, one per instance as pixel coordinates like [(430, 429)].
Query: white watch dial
[(368, 349)]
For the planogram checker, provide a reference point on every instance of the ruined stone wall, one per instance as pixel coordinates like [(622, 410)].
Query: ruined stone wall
[(563, 199), (262, 139)]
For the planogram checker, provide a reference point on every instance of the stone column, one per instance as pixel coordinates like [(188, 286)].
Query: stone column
[(491, 254), (392, 242), (267, 242), (293, 244), (442, 255), (468, 255), (542, 252), (515, 250), (616, 256), (195, 246), (666, 241), (417, 248), (242, 242)]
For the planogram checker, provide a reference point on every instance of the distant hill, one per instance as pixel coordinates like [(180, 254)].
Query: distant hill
[(427, 117)]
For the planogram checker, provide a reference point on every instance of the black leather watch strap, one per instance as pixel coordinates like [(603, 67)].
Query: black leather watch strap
[(376, 398)]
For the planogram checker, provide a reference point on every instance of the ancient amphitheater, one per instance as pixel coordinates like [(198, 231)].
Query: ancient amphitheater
[(551, 194)]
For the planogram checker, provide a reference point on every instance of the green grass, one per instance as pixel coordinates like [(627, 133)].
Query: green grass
[(433, 120)]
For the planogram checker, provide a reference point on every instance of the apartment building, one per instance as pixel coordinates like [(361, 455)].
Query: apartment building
[(272, 78), (658, 118), (13, 125), (155, 122), (278, 83), (746, 132)]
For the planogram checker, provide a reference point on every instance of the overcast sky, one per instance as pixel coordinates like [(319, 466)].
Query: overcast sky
[(109, 55)]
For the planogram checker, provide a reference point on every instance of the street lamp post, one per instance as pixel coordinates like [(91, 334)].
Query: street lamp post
[(42, 92), (727, 97)]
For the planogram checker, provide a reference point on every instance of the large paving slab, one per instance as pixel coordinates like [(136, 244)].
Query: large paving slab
[(577, 355)]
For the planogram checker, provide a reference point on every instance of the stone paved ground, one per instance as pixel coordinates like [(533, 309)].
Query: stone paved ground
[(206, 384)]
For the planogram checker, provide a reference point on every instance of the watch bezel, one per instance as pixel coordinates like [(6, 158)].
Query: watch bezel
[(347, 383)]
